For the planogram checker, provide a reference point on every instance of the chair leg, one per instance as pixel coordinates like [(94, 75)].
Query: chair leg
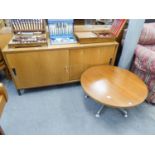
[(1, 131)]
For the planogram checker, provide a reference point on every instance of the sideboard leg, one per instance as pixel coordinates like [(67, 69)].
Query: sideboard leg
[(124, 112), (1, 131), (19, 92), (98, 114)]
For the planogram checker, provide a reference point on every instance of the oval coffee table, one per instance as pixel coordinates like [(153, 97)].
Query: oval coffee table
[(114, 87)]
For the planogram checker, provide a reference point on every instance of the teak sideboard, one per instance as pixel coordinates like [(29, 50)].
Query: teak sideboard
[(56, 64)]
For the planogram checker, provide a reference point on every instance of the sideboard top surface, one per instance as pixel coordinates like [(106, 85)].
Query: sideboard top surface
[(57, 47)]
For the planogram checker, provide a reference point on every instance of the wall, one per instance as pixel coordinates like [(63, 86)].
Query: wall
[(130, 42)]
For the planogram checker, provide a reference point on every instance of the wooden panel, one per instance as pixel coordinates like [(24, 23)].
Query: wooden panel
[(76, 64), (58, 47), (40, 68), (2, 23), (3, 99), (85, 28), (98, 56), (2, 103), (94, 37), (91, 57), (81, 59), (4, 39), (3, 91), (107, 54)]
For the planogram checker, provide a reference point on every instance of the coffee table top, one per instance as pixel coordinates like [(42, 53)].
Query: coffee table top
[(114, 86)]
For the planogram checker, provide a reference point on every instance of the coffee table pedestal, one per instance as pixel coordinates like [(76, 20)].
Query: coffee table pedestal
[(124, 112)]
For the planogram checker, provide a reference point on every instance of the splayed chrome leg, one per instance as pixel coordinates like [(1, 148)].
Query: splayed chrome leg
[(98, 114), (124, 112), (86, 96)]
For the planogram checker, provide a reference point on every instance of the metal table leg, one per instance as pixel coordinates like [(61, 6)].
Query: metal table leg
[(86, 96), (98, 114), (123, 112)]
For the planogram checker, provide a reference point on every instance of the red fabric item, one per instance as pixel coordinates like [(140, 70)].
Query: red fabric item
[(147, 36), (144, 61), (149, 79), (117, 26)]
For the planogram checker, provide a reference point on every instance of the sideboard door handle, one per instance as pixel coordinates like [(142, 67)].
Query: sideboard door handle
[(14, 71)]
